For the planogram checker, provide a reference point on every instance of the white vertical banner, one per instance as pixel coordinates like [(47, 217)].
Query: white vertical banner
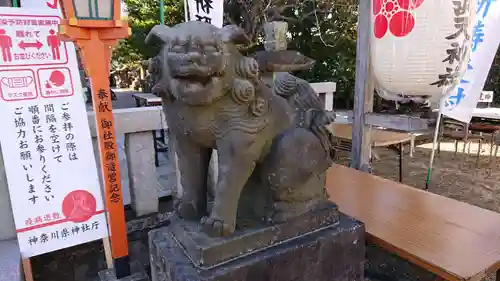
[(42, 4), (211, 11), (462, 100)]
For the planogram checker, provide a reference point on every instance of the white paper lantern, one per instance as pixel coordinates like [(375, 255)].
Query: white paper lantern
[(420, 47)]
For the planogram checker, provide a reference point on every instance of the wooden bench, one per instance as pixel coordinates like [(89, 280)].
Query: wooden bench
[(451, 239), (378, 138)]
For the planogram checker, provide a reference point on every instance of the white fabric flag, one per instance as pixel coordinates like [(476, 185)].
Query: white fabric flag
[(55, 5), (211, 11), (462, 100), (42, 4)]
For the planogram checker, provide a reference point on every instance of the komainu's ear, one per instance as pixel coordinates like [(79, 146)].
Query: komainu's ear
[(159, 34), (233, 34)]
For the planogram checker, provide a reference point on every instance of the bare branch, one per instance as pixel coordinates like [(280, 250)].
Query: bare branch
[(281, 9)]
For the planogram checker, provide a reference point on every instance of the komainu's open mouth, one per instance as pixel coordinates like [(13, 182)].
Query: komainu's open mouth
[(194, 79), (191, 84)]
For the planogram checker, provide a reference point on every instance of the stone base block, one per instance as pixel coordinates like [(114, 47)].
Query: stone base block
[(138, 274), (207, 251), (11, 267), (334, 253)]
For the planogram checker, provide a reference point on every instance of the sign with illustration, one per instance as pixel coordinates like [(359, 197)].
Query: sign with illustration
[(486, 96), (51, 169), (27, 40)]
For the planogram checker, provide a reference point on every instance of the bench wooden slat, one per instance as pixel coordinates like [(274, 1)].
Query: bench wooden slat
[(378, 138), (454, 240), (150, 99)]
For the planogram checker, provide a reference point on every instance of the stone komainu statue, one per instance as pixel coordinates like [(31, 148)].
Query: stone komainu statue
[(270, 137)]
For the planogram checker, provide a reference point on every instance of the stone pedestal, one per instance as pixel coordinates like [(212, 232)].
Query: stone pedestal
[(322, 245)]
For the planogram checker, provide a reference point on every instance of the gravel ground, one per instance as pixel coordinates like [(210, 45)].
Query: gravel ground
[(461, 176)]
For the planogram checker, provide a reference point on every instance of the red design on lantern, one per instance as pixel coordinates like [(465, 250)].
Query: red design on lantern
[(377, 6), (410, 4), (401, 24), (394, 15), (380, 26)]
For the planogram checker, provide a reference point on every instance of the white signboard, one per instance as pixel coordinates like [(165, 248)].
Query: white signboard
[(46, 142), (486, 96), (462, 100), (211, 11), (50, 6)]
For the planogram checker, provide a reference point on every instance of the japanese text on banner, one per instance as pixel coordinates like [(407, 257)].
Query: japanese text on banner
[(211, 11), (462, 100), (458, 50)]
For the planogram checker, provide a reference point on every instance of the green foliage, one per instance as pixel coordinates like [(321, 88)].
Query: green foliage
[(317, 29), (333, 46), (143, 15)]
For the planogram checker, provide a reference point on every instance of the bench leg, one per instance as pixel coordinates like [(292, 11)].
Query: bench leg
[(162, 135), (401, 162), (412, 145), (497, 278), (155, 146)]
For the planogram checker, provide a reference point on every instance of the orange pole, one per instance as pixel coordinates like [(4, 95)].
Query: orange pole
[(96, 55)]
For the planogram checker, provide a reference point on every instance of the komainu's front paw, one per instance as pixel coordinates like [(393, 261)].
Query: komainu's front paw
[(188, 211), (215, 227)]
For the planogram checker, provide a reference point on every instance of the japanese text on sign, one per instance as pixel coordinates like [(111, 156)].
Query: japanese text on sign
[(62, 233), (110, 156), (28, 41), (51, 170)]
